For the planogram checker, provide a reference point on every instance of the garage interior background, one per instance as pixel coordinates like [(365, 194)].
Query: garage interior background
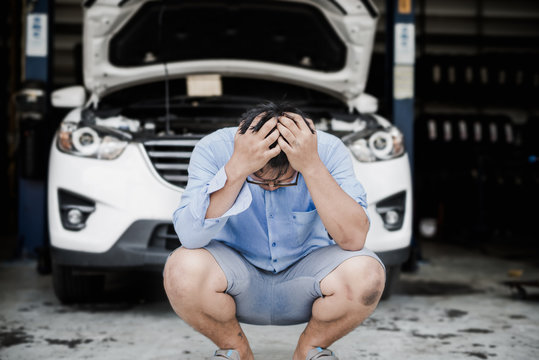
[(476, 117)]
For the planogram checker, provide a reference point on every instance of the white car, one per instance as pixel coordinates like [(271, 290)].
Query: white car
[(158, 76)]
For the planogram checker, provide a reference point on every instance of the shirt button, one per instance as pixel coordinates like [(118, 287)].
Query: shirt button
[(274, 260), (271, 216), (274, 244), (293, 216)]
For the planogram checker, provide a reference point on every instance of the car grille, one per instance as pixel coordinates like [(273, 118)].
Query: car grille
[(170, 157)]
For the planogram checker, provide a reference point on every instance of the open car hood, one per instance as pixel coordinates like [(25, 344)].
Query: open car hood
[(321, 44)]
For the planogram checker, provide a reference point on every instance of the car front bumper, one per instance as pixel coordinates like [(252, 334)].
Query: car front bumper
[(133, 204), (146, 244)]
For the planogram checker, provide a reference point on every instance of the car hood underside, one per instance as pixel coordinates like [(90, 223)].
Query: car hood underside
[(321, 44)]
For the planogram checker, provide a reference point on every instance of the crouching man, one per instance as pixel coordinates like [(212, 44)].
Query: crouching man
[(273, 225)]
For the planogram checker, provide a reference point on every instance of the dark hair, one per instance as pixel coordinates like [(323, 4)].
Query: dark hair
[(270, 110)]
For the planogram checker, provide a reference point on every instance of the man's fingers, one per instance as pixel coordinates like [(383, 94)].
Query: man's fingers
[(256, 120), (284, 145), (289, 124), (274, 152), (298, 120), (311, 125), (266, 128), (286, 133), (296, 117), (271, 138), (301, 122)]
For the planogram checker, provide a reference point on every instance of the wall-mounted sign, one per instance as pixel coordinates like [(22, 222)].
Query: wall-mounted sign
[(403, 82), (404, 44), (36, 35)]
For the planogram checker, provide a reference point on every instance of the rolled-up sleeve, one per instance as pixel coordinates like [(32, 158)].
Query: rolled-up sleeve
[(341, 168), (206, 176)]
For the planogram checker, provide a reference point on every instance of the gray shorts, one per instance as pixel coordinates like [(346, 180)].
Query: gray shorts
[(265, 298)]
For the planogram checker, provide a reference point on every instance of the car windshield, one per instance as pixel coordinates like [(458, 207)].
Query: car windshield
[(271, 31)]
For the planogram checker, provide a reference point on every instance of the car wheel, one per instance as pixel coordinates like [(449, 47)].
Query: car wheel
[(71, 287), (392, 280)]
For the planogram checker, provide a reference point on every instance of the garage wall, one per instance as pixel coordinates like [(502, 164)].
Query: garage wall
[(476, 126)]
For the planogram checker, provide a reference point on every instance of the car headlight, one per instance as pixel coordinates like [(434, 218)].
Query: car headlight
[(378, 144), (91, 141)]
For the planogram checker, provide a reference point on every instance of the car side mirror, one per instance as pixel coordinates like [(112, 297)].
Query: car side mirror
[(69, 97)]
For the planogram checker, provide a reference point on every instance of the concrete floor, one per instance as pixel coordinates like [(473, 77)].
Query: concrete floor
[(453, 307)]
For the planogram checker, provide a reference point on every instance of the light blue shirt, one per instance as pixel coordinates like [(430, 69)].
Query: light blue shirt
[(271, 229)]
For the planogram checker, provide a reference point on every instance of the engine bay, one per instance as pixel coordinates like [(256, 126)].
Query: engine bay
[(166, 109)]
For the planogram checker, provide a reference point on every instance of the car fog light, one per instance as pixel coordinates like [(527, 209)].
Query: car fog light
[(392, 210), (391, 217), (74, 210), (74, 216)]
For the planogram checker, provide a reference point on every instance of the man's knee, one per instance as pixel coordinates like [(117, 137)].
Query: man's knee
[(188, 271), (369, 277), (362, 279)]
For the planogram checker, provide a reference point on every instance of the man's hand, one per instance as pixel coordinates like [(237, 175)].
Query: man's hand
[(252, 150), (298, 141)]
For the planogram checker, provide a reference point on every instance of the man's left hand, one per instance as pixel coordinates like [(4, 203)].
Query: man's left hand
[(298, 141)]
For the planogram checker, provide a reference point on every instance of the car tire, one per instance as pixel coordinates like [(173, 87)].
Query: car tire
[(393, 274), (71, 287)]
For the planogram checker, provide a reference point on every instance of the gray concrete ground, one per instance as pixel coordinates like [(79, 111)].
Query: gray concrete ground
[(453, 307)]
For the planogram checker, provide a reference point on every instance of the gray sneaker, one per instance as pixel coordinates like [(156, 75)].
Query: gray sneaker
[(226, 355), (322, 354)]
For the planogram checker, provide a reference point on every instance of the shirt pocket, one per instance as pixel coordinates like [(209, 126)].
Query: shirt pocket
[(305, 223)]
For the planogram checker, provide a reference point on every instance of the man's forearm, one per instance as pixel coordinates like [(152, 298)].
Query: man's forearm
[(344, 219), (223, 199)]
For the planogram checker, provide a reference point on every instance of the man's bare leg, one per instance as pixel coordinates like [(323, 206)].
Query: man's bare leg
[(351, 293), (195, 286)]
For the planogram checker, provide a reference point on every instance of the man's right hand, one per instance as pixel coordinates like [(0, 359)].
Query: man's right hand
[(252, 150)]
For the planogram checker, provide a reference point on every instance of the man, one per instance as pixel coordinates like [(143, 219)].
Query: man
[(273, 225)]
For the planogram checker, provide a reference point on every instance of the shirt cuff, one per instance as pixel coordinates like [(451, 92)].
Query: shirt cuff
[(242, 203)]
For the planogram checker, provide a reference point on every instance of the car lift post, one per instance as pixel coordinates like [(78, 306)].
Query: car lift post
[(399, 87), (32, 101)]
